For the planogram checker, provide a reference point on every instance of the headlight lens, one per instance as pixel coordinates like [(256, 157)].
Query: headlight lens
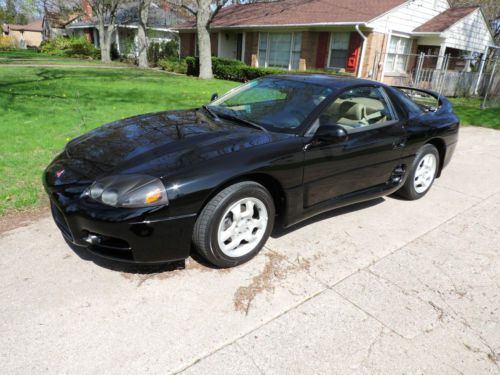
[(128, 191)]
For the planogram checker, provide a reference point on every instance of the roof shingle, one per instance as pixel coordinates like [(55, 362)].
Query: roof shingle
[(444, 20), (33, 26), (300, 12)]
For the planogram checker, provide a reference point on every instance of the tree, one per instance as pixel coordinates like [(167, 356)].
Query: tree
[(142, 41), (204, 11), (105, 12)]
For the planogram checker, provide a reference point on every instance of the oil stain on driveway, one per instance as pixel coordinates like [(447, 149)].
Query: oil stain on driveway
[(380, 288)]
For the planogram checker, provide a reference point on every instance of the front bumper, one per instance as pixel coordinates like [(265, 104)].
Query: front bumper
[(145, 241), (153, 235)]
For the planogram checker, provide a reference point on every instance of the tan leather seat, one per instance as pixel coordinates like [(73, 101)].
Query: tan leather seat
[(352, 114)]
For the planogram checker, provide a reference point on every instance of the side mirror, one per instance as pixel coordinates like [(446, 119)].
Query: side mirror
[(215, 96), (331, 134)]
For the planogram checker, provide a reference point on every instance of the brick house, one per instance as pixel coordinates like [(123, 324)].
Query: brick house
[(29, 35), (375, 39)]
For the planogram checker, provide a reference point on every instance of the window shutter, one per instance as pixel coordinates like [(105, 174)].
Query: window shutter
[(322, 52), (354, 52)]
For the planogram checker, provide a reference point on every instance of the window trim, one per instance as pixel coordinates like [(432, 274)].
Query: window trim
[(396, 118), (330, 50), (407, 54), (292, 43)]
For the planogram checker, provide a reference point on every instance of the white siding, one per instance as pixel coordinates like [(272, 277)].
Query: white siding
[(430, 41), (409, 16), (470, 33)]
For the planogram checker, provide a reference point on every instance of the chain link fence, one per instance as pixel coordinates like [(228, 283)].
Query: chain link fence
[(454, 76)]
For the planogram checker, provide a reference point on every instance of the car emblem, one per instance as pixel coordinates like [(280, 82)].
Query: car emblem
[(59, 173)]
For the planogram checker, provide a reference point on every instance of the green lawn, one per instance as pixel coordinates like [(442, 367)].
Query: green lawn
[(32, 57), (42, 108), (470, 113)]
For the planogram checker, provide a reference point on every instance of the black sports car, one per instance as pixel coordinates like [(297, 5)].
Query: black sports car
[(280, 149)]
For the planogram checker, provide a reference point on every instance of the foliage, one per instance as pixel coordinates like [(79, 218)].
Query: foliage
[(7, 42), (160, 51), (42, 108), (173, 65), (235, 70), (70, 47)]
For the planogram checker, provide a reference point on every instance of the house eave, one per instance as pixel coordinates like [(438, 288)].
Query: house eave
[(280, 26)]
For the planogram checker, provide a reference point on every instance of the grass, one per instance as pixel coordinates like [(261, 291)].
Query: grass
[(42, 108), (32, 57), (20, 53), (470, 113)]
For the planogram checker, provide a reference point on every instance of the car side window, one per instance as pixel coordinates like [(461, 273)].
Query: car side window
[(359, 109)]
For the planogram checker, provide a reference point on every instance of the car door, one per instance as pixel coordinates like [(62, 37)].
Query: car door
[(368, 156)]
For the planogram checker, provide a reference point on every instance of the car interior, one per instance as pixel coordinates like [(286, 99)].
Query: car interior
[(358, 108)]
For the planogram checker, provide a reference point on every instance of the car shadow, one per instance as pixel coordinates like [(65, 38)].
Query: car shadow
[(280, 231)]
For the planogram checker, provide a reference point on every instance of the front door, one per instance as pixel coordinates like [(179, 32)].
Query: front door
[(369, 155)]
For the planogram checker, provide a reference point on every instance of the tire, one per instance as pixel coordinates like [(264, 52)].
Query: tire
[(245, 211), (422, 174)]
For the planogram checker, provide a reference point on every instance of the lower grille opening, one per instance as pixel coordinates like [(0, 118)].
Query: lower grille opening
[(112, 253), (109, 247)]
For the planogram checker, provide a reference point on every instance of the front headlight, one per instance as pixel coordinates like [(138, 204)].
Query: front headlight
[(128, 191)]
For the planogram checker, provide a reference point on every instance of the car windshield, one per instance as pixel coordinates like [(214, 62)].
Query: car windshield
[(276, 104)]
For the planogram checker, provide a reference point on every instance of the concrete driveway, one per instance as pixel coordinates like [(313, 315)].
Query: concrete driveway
[(386, 287)]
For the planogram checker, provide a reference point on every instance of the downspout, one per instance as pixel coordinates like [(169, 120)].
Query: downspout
[(363, 49)]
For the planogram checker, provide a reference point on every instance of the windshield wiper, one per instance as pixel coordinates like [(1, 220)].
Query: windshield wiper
[(242, 121), (211, 112)]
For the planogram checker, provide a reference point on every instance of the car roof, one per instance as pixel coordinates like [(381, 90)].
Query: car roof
[(335, 82)]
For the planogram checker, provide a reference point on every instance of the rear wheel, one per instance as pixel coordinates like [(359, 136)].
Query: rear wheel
[(234, 226), (422, 173)]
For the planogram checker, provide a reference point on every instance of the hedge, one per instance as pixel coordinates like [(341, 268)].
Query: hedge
[(173, 65), (235, 70), (71, 47), (232, 70)]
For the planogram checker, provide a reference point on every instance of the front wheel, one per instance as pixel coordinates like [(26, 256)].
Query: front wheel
[(234, 226), (422, 173)]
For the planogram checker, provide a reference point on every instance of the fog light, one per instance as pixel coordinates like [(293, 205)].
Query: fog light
[(92, 239)]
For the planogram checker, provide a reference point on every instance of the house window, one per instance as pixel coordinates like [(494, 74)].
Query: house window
[(397, 55), (280, 50), (339, 48)]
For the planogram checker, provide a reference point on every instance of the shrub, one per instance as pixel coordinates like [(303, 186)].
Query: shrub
[(173, 65), (8, 42), (161, 51), (233, 70), (71, 47), (192, 66)]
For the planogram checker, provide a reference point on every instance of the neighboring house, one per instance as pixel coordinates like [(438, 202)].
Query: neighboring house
[(29, 35), (375, 39), (159, 26)]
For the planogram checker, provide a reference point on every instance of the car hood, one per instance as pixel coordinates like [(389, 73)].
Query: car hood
[(158, 144)]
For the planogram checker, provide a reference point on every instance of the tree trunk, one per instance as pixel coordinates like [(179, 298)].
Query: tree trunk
[(204, 47), (142, 41), (105, 35)]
